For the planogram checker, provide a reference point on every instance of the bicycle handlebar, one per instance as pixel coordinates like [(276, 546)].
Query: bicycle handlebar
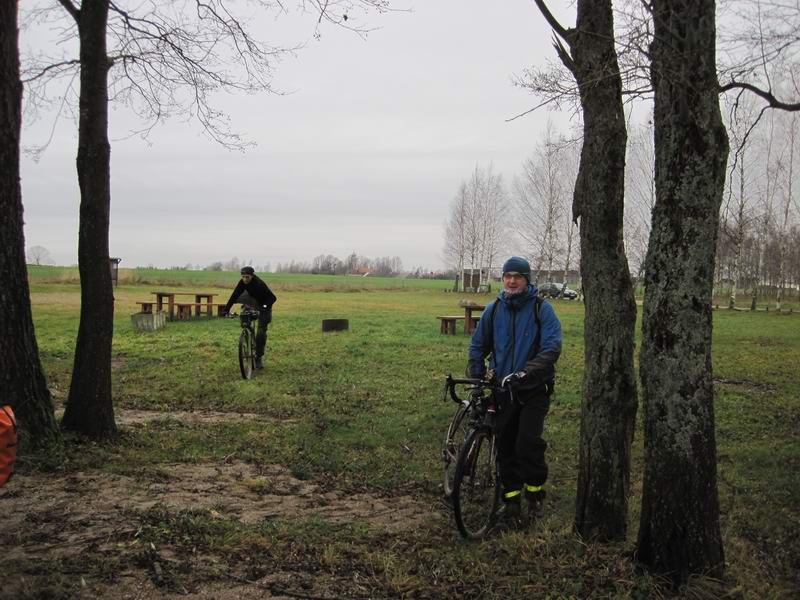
[(479, 383), (451, 383)]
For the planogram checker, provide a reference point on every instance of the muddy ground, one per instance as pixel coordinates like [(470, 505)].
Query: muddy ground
[(52, 517)]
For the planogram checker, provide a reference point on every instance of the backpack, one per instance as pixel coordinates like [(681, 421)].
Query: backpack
[(8, 443), (537, 340)]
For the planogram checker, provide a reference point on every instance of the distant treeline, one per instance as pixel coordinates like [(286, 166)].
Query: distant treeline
[(327, 264)]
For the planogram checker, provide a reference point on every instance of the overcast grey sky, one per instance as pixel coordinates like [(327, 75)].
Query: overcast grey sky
[(365, 155)]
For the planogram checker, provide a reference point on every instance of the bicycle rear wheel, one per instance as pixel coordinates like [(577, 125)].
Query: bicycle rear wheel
[(246, 354), (453, 441), (476, 486)]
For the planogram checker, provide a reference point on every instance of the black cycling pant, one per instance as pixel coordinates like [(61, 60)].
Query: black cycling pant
[(520, 447), (264, 319)]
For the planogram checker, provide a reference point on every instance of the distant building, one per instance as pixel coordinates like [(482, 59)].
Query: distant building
[(475, 280)]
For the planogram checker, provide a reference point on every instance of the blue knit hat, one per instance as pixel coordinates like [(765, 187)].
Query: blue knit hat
[(517, 264)]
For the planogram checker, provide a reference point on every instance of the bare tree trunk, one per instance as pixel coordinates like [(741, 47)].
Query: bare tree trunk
[(609, 386), (89, 408), (739, 238), (783, 234), (22, 380), (679, 532), (608, 406), (570, 235)]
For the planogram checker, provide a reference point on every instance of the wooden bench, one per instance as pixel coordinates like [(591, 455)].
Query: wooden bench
[(448, 325), (147, 306), (183, 310)]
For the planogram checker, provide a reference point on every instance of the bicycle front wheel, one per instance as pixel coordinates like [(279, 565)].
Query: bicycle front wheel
[(246, 354), (476, 486), (453, 441)]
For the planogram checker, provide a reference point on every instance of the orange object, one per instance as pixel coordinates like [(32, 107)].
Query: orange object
[(8, 443)]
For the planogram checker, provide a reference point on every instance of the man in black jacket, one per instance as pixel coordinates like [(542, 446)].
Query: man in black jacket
[(252, 291)]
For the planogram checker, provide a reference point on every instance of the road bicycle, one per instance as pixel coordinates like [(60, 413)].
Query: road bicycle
[(471, 470), (247, 341), (456, 432)]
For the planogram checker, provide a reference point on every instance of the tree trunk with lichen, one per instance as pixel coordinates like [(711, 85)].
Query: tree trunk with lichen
[(22, 380), (608, 404), (679, 533)]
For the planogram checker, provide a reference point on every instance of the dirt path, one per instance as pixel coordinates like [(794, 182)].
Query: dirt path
[(60, 517)]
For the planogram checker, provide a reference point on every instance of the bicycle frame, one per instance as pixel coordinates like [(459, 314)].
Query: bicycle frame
[(481, 406), (247, 341), (247, 316), (480, 414)]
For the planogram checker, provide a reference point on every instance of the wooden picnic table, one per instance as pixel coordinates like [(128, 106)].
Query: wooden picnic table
[(470, 307), (201, 300)]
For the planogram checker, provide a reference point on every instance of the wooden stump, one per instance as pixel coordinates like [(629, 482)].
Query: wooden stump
[(149, 321), (335, 325)]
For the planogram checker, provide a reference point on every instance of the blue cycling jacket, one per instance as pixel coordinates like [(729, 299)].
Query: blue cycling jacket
[(510, 337)]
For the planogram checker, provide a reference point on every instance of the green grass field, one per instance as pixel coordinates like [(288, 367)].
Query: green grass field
[(359, 414)]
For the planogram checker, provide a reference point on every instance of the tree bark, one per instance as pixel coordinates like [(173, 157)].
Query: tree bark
[(679, 531), (608, 405), (89, 408), (21, 377)]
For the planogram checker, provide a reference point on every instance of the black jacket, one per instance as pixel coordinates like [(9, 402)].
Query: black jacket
[(257, 289)]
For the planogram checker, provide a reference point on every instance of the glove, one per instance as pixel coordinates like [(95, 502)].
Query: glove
[(474, 371), (513, 379)]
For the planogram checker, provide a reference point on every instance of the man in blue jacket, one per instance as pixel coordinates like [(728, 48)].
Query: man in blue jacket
[(523, 335)]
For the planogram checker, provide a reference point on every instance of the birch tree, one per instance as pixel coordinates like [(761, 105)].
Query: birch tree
[(476, 229), (540, 192), (455, 230), (737, 213), (788, 191), (640, 195), (570, 165)]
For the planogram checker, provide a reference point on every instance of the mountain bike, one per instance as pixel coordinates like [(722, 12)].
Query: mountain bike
[(247, 341), (475, 485)]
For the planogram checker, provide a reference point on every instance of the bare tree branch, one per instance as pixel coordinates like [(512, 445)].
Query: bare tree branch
[(772, 101), (167, 60), (70, 8), (552, 21), (45, 71)]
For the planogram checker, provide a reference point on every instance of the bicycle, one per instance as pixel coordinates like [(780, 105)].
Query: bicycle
[(247, 341), (475, 486), (456, 434)]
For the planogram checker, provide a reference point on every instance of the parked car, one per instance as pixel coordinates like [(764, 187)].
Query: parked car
[(553, 290)]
